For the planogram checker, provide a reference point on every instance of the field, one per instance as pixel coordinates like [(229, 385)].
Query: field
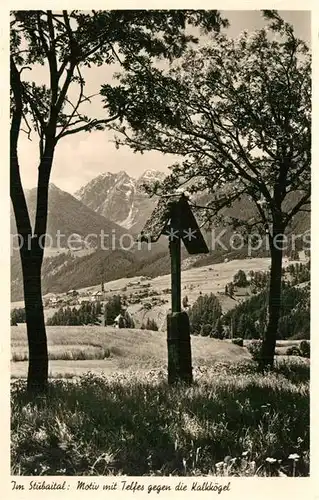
[(206, 279), (109, 410), (74, 350), (118, 415), (232, 421)]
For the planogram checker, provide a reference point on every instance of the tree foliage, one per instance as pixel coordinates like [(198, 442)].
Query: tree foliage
[(66, 43), (112, 309), (240, 279), (249, 319), (87, 313), (298, 273), (218, 330), (150, 325), (17, 316), (239, 113), (126, 320), (206, 310)]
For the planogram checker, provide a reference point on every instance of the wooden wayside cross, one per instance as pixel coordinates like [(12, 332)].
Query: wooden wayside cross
[(173, 217)]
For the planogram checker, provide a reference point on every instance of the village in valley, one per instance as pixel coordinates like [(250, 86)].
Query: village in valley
[(143, 297)]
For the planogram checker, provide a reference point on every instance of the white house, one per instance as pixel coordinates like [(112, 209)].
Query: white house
[(117, 320), (54, 301), (49, 298), (96, 296)]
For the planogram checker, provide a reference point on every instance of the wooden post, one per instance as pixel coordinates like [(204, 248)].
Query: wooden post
[(178, 330), (179, 348), (175, 252), (173, 214)]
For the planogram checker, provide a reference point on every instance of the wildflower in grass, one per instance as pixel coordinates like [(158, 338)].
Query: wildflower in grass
[(219, 468), (184, 464), (294, 456), (41, 435), (93, 436), (271, 460), (271, 465)]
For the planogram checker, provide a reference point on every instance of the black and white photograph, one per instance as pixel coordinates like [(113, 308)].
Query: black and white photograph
[(160, 254)]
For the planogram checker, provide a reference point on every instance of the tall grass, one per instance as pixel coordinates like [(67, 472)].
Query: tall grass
[(230, 421), (127, 348), (67, 353)]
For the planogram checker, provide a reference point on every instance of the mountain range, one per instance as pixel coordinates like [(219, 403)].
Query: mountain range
[(68, 216), (117, 205), (84, 261), (121, 198)]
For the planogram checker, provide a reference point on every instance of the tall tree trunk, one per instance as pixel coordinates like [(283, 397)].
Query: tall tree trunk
[(32, 243), (31, 253), (37, 339), (274, 302)]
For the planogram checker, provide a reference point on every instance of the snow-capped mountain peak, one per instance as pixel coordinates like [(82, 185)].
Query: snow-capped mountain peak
[(121, 198), (152, 175)]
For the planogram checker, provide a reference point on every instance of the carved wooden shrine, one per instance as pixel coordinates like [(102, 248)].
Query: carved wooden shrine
[(174, 218)]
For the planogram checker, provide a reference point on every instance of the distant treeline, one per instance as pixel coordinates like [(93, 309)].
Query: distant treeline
[(248, 320), (87, 313)]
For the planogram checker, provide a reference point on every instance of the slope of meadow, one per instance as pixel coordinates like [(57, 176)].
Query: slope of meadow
[(110, 411), (74, 350)]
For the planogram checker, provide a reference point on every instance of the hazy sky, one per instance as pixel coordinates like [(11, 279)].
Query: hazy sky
[(80, 157)]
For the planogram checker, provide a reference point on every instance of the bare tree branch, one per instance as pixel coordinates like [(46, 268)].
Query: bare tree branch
[(30, 100), (28, 132), (89, 126), (304, 200)]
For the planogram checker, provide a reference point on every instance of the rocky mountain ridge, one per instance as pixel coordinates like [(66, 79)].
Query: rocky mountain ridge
[(121, 198)]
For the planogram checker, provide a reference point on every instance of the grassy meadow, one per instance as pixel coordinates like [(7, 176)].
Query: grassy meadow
[(117, 415), (73, 350)]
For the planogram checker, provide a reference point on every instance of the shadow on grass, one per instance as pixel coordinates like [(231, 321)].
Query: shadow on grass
[(121, 425), (295, 371)]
